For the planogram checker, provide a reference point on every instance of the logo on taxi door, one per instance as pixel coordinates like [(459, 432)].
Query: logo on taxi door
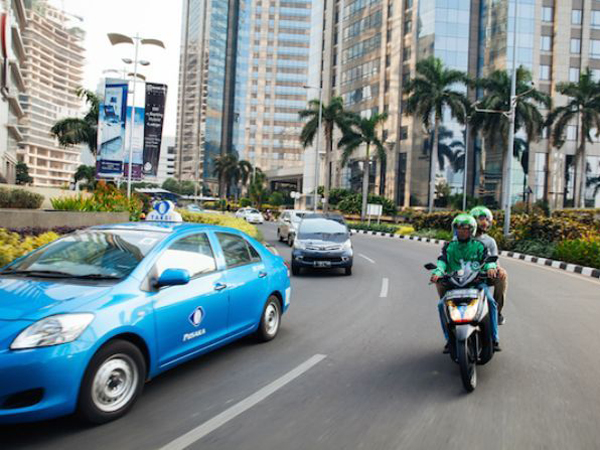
[(196, 316)]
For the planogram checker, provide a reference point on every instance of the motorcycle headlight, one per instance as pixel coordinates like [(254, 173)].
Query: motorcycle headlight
[(462, 313), (53, 330)]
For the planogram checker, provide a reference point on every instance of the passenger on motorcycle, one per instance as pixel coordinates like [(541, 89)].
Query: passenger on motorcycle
[(485, 219), (465, 249)]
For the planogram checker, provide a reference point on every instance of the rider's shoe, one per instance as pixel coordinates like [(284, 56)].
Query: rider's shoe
[(446, 349), (501, 319), (497, 347)]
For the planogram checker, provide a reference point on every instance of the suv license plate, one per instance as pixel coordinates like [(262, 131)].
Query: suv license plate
[(322, 263)]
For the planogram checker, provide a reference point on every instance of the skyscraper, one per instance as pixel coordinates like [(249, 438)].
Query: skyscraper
[(53, 71), (11, 109), (244, 65), (371, 48)]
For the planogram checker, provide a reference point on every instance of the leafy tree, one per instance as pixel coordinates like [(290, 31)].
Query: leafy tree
[(333, 116), (431, 92), (75, 130), (23, 176), (364, 132), (583, 105)]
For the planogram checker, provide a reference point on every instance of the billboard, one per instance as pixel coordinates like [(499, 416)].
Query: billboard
[(156, 95), (137, 144), (111, 129)]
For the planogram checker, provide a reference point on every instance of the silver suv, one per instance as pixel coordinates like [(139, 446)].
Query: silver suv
[(287, 226)]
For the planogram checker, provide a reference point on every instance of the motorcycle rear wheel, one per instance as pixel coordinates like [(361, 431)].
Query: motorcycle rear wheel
[(467, 360)]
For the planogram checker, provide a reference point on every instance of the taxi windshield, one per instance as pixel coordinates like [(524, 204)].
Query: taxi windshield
[(93, 254)]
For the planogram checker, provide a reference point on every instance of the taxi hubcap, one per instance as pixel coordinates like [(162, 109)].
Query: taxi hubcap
[(271, 319), (115, 383)]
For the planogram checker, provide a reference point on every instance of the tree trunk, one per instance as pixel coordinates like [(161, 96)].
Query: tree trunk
[(328, 151), (365, 187), (432, 172), (580, 166)]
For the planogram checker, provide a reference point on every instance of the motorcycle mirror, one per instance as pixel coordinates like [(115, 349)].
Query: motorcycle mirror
[(491, 259), (430, 266)]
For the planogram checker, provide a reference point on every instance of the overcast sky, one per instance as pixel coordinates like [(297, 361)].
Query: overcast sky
[(160, 19)]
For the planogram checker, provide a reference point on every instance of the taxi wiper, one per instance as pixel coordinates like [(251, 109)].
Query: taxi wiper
[(58, 274)]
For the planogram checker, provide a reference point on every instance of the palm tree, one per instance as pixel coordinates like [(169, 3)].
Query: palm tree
[(231, 171), (75, 130), (87, 174), (364, 132), (494, 127), (432, 92), (583, 106), (333, 115)]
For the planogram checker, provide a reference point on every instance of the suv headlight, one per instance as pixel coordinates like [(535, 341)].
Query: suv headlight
[(299, 245), (347, 245), (53, 330)]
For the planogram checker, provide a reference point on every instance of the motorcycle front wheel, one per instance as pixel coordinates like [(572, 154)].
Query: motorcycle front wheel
[(467, 360)]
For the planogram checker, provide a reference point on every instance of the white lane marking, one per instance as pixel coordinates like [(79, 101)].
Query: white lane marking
[(385, 285), (211, 425), (367, 258)]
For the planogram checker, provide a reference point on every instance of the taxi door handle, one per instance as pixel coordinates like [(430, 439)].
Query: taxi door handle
[(220, 286), (262, 274)]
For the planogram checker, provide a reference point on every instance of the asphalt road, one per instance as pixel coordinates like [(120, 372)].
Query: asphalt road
[(382, 381)]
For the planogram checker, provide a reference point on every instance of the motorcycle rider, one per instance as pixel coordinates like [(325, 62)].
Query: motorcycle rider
[(485, 220), (463, 250)]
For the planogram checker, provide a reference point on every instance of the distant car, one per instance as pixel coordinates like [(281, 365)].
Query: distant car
[(322, 243), (287, 226), (251, 215), (86, 320), (194, 208)]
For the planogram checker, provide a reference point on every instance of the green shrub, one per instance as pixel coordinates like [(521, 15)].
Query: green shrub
[(534, 247), (337, 195), (384, 228), (20, 199), (585, 251), (106, 198), (13, 246), (245, 202), (276, 199), (352, 204), (444, 235), (222, 220)]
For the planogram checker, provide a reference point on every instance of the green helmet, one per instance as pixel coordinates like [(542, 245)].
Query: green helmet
[(465, 220), (479, 211)]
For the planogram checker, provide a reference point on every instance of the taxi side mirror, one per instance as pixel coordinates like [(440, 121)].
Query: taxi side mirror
[(173, 277)]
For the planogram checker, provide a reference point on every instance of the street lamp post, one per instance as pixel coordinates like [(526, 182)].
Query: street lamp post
[(320, 88), (115, 39)]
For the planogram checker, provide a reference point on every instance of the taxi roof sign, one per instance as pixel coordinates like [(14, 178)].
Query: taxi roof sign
[(164, 211)]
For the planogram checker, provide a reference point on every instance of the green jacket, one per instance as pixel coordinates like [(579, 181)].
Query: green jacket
[(455, 254)]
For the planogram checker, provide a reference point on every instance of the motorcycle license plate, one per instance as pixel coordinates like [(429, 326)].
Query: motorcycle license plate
[(323, 264)]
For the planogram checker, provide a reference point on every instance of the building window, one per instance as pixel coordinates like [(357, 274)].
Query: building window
[(595, 19), (546, 43), (544, 72), (408, 4), (576, 46), (572, 133), (406, 52), (574, 74), (576, 17), (407, 26), (596, 74), (548, 14), (403, 133), (594, 48)]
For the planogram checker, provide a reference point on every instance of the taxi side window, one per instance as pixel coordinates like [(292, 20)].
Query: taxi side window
[(192, 253), (236, 250)]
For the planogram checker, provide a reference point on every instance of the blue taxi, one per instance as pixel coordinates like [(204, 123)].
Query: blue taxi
[(86, 320)]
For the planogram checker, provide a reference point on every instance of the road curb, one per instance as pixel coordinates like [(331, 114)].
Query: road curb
[(573, 268)]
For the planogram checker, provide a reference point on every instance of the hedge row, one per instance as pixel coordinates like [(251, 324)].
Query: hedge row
[(20, 199)]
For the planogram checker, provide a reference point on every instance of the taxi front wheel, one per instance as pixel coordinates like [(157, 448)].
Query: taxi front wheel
[(112, 382), (270, 320)]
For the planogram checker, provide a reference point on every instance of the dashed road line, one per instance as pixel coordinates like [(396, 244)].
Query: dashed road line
[(367, 258), (218, 421), (385, 286)]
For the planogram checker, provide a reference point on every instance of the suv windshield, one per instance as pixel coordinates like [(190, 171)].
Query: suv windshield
[(323, 229), (106, 254)]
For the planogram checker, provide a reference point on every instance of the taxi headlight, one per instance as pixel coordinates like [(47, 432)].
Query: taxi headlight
[(53, 330)]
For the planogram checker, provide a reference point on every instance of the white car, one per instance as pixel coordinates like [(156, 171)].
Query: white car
[(287, 226), (251, 215)]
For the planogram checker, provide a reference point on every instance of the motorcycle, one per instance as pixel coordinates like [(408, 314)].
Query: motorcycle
[(468, 320)]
